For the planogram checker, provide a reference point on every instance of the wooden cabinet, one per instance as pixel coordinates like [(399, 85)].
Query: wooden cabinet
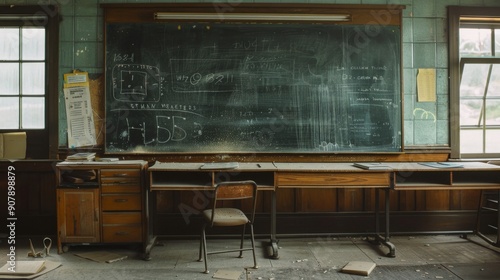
[(101, 203), (78, 215)]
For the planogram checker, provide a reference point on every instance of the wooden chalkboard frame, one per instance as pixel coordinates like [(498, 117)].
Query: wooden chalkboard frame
[(367, 15)]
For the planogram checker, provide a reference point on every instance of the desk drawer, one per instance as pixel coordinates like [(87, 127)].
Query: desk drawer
[(121, 218), (349, 179), (121, 233), (120, 173), (120, 176), (121, 202), (125, 187)]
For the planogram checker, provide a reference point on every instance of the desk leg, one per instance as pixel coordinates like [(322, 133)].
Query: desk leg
[(384, 239), (150, 241), (274, 240)]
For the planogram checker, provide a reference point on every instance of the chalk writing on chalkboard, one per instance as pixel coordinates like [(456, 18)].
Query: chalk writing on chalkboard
[(270, 88)]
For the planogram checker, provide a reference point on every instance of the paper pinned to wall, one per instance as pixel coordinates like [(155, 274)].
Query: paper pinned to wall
[(426, 85), (81, 130)]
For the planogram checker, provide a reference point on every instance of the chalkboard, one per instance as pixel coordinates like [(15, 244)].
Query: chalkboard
[(252, 88)]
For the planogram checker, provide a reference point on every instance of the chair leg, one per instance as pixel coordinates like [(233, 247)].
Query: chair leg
[(201, 244), (252, 239), (204, 245), (241, 242)]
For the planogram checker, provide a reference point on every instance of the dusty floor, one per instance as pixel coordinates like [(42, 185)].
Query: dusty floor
[(417, 257)]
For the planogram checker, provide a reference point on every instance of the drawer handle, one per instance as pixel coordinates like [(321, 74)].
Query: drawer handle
[(120, 175), (121, 233), (121, 200)]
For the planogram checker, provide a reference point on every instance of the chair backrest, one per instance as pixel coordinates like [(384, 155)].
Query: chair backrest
[(236, 190)]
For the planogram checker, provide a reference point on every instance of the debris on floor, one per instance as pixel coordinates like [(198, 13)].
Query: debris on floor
[(359, 268)]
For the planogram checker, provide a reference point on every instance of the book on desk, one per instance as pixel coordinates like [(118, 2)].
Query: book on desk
[(372, 165)]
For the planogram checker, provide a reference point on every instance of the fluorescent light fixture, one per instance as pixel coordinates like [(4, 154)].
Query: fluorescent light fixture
[(22, 17), (253, 16)]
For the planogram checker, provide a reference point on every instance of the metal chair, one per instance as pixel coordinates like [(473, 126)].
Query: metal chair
[(218, 216)]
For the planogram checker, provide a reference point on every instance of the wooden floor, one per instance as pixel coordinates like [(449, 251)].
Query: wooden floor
[(417, 257)]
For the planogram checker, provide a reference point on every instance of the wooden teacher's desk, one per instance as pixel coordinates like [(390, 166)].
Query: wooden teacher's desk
[(192, 176), (270, 176)]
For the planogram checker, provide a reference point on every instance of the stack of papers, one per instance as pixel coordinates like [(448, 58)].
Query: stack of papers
[(22, 268), (81, 157)]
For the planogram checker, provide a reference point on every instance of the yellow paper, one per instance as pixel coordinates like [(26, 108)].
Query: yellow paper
[(426, 85), (76, 79)]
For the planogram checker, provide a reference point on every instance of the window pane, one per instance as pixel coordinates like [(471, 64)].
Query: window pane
[(9, 45), (475, 42), (470, 112), (494, 87), (33, 78), (474, 79), (33, 43), (493, 113), (33, 112), (9, 112), (9, 78), (492, 144), (471, 141)]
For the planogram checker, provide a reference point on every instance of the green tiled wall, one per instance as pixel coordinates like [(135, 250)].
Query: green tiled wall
[(424, 46)]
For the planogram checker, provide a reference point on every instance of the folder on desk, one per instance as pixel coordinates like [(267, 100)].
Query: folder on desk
[(443, 164), (219, 165)]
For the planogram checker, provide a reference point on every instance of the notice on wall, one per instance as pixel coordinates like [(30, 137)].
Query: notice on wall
[(81, 130), (426, 85)]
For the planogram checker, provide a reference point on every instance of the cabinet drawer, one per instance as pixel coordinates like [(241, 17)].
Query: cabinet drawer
[(125, 187), (120, 173), (121, 202), (122, 233), (120, 176), (121, 218)]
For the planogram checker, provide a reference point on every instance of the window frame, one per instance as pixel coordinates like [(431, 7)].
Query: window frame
[(456, 14), (41, 143)]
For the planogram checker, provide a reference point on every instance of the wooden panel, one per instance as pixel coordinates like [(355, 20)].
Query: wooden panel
[(468, 200), (285, 200), (316, 200), (79, 215), (406, 200), (437, 200), (350, 200), (305, 179), (164, 201), (361, 14)]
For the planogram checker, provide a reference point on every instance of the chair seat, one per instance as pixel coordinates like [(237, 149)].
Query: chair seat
[(226, 217)]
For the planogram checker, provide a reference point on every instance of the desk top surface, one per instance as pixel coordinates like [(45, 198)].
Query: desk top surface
[(103, 163), (322, 167), (201, 166)]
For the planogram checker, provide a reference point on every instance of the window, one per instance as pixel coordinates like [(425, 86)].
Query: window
[(22, 78), (474, 83), (29, 76), (479, 91)]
